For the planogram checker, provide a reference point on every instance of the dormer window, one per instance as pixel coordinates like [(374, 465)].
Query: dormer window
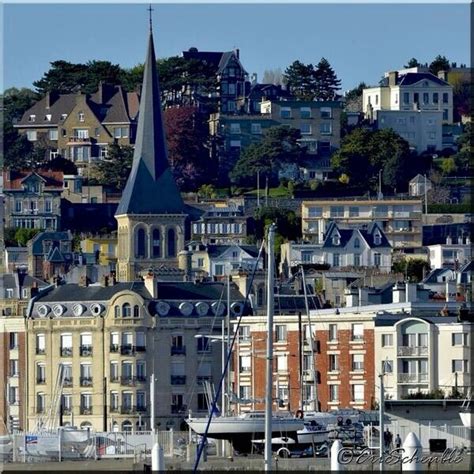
[(377, 239), (336, 240), (63, 116), (356, 243), (32, 118), (47, 117)]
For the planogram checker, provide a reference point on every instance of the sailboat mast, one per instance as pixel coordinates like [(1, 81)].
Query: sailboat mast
[(269, 384), (311, 344)]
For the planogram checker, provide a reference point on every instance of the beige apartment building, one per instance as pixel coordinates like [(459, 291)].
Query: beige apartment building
[(401, 220)]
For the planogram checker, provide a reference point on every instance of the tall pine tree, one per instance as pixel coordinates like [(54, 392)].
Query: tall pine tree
[(327, 83), (300, 80)]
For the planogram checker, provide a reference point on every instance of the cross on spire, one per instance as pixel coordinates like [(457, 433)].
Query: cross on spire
[(150, 19)]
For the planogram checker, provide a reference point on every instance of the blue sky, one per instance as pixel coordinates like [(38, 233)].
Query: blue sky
[(361, 41)]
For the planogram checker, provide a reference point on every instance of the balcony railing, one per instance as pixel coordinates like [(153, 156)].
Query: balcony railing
[(127, 349), (39, 409), (85, 410), (412, 378), (114, 409), (85, 351), (141, 378), (114, 378), (114, 347), (140, 348), (178, 379), (74, 139), (412, 350), (66, 351), (66, 410), (178, 409), (203, 378), (141, 408), (68, 381), (178, 350), (128, 380), (126, 410), (86, 381)]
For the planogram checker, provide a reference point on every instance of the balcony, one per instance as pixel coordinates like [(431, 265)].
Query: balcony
[(128, 380), (68, 381), (178, 409), (203, 378), (412, 350), (85, 411), (127, 410), (114, 378), (178, 350), (85, 351), (114, 348), (127, 349), (141, 409), (114, 409), (178, 380), (66, 410), (86, 381), (412, 378), (141, 378), (66, 352), (140, 348), (40, 380), (39, 409), (40, 351), (79, 140)]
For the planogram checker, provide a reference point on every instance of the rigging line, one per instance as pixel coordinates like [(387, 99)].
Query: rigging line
[(191, 390), (227, 361)]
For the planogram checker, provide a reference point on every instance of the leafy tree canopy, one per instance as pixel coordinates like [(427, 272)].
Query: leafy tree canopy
[(413, 268), (413, 62), (356, 92), (440, 63)]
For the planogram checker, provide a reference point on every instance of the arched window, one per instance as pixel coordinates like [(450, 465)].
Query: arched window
[(127, 425), (140, 236), (126, 310), (171, 243), (156, 249), (136, 311), (117, 311)]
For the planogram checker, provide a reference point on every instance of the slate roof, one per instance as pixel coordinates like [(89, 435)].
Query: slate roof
[(37, 241), (197, 291), (391, 319), (211, 57), (218, 250), (367, 234), (419, 178), (411, 78), (150, 188), (14, 180), (8, 280), (434, 274)]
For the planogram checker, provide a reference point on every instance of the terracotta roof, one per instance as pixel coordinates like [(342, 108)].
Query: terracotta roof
[(14, 179)]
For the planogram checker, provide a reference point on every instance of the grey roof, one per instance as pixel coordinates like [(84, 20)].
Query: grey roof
[(9, 280), (55, 237), (434, 274), (391, 319), (150, 188), (367, 234), (218, 250), (59, 104), (197, 291), (413, 77)]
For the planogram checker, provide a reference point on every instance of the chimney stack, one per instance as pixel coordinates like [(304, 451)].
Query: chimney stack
[(392, 78), (151, 284), (185, 263)]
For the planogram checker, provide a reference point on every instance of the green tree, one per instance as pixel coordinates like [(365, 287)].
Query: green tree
[(448, 166), (357, 92), (300, 80), (440, 63), (413, 62), (22, 236), (414, 269), (463, 159), (207, 191), (327, 83), (114, 170), (278, 146)]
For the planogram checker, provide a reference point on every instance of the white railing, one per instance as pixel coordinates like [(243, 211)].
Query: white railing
[(412, 350), (412, 378)]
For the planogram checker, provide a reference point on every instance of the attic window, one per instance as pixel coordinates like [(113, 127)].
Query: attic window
[(377, 239), (356, 243), (80, 116), (63, 116), (32, 118), (336, 240), (47, 117)]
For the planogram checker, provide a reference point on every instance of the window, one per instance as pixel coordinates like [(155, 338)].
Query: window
[(416, 97), (335, 260), (171, 243), (136, 311), (32, 135), (285, 113), (356, 243), (357, 260), (315, 211), (426, 98), (435, 97), (202, 402), (114, 401), (325, 128), (40, 343), (358, 362), (126, 310), (357, 393), (53, 134), (245, 364), (245, 392), (155, 251), (333, 393), (80, 116), (357, 332), (283, 394), (235, 128), (203, 344), (141, 370), (336, 211), (333, 332), (460, 339), (377, 259), (219, 270), (387, 366), (305, 112), (48, 206), (460, 365), (200, 262), (306, 256), (32, 118), (13, 340), (121, 132), (445, 114), (116, 311), (232, 89), (114, 371), (140, 243), (80, 153), (66, 344), (333, 362), (40, 373), (376, 99), (387, 340), (104, 152), (280, 333), (14, 368), (140, 340), (86, 374), (445, 97), (281, 363), (18, 205), (326, 112), (353, 211), (305, 129), (406, 97), (177, 341), (256, 128), (231, 106), (244, 333)]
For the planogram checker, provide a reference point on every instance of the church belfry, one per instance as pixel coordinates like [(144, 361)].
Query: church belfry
[(151, 213)]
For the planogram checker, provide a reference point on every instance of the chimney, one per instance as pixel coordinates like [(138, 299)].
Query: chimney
[(449, 240), (237, 52), (151, 284), (392, 78), (398, 293), (410, 292), (104, 280), (48, 99), (185, 263), (443, 75), (84, 281), (352, 297), (34, 290), (364, 296)]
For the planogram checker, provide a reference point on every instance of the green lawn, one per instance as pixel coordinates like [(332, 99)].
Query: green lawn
[(279, 192)]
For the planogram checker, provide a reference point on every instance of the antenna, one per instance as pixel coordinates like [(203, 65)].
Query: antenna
[(150, 10)]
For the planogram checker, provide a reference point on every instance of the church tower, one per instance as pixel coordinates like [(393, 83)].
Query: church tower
[(151, 214)]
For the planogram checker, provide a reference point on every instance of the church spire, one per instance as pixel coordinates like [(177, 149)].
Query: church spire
[(150, 188)]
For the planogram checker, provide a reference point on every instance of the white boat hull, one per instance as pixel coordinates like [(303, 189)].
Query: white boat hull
[(308, 436)]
